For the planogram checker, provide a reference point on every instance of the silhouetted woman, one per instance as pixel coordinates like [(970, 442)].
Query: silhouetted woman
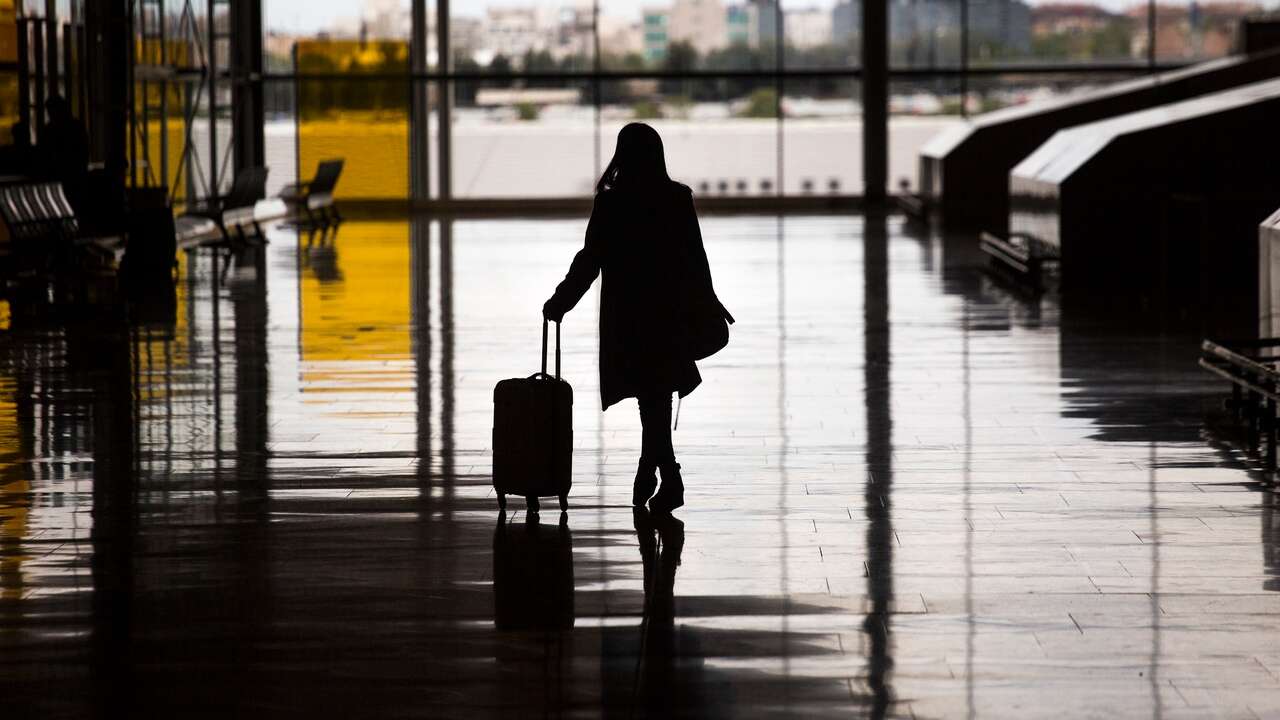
[(658, 311)]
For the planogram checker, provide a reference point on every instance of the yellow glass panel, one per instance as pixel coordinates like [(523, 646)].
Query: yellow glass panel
[(8, 31), (174, 52), (8, 104), (355, 299), (362, 120)]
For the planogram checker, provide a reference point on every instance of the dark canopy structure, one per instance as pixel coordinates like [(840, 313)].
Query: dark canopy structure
[(964, 171), (1160, 204)]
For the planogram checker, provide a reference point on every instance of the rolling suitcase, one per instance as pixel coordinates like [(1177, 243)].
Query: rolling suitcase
[(533, 435)]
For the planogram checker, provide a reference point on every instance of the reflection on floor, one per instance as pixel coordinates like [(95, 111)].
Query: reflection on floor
[(911, 493)]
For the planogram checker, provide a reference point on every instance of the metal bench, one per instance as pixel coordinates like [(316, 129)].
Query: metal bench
[(42, 223), (248, 187)]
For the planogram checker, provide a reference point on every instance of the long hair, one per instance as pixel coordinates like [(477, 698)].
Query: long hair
[(637, 162)]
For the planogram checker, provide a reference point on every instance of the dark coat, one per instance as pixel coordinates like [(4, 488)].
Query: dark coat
[(648, 248)]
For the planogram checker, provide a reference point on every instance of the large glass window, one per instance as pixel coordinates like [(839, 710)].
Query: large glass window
[(753, 97)]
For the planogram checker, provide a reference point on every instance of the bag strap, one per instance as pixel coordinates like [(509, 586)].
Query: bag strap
[(544, 347)]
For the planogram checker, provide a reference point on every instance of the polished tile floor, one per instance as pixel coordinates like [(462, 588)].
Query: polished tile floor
[(912, 493)]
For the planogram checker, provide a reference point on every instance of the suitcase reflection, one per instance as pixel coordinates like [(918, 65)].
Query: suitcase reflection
[(533, 575)]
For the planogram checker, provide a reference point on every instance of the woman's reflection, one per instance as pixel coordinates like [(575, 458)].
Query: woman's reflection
[(533, 575), (663, 681)]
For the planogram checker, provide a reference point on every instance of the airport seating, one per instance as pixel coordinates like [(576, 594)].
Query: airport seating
[(314, 198), (964, 170), (1160, 205), (236, 229), (42, 225), (248, 187), (47, 248)]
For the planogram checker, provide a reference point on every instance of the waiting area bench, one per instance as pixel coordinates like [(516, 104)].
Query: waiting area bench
[(43, 227), (248, 187)]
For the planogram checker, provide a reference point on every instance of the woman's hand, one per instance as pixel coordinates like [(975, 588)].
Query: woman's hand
[(552, 311)]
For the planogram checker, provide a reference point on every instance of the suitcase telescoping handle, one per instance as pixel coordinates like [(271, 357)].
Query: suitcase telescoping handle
[(544, 348)]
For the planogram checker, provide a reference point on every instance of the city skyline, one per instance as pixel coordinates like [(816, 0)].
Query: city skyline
[(303, 17)]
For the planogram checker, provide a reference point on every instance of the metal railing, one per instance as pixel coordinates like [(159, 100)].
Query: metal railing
[(1254, 375)]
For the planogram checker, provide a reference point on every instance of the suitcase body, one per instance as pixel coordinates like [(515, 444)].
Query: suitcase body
[(533, 435)]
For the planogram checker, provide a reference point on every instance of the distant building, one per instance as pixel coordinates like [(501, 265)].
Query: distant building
[(926, 23), (387, 19), (575, 32), (656, 23), (1004, 23), (514, 31), (700, 23), (764, 14), (808, 27), (846, 22), (1069, 18), (619, 37), (739, 25), (466, 37)]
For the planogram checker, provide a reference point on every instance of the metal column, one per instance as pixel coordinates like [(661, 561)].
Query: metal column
[(51, 45), (444, 130), (246, 84), (419, 108), (875, 99), (109, 39)]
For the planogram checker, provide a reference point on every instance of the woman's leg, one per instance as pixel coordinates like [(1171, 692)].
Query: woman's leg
[(655, 419), (652, 452), (655, 416)]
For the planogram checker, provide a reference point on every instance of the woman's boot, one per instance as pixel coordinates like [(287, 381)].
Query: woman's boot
[(671, 495), (646, 483)]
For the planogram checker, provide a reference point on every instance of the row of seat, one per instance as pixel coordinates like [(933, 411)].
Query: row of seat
[(47, 240), (236, 217)]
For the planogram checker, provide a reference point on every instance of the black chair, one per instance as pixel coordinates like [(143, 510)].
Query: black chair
[(314, 198), (248, 187)]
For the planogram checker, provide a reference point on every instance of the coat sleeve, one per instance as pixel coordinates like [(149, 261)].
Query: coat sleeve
[(585, 267), (699, 256)]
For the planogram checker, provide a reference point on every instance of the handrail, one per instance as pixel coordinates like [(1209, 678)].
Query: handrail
[(1255, 391), (1235, 358), (1238, 380)]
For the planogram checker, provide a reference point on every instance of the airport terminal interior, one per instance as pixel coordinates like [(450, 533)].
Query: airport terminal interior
[(994, 433)]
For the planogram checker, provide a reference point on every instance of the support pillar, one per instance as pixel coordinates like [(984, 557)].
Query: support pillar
[(875, 100), (109, 37), (444, 130), (419, 108), (246, 84)]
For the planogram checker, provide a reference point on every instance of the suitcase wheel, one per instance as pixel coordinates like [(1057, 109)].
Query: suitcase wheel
[(502, 501), (564, 503)]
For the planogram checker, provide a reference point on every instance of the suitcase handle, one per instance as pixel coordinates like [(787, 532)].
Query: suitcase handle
[(544, 348)]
